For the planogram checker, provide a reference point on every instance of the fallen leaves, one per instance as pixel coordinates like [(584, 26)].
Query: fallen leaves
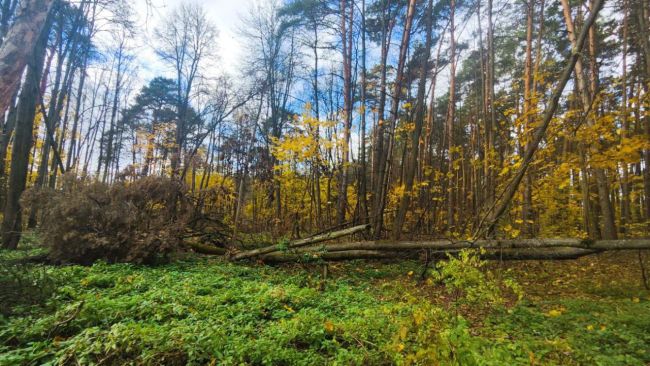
[(329, 326)]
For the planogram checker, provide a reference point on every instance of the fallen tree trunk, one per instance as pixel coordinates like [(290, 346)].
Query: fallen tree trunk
[(523, 249), (560, 253), (444, 245), (278, 257), (620, 244), (626, 244), (301, 242), (205, 249)]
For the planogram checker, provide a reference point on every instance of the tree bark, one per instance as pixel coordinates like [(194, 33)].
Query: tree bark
[(334, 256), (25, 114), (7, 12), (497, 253), (626, 216), (411, 164), (362, 199), (384, 159), (527, 206), (451, 113), (447, 245), (490, 121), (378, 146), (346, 38), (112, 125), (5, 138), (19, 45)]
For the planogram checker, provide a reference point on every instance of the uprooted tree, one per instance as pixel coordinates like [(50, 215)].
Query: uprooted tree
[(151, 219), (145, 221)]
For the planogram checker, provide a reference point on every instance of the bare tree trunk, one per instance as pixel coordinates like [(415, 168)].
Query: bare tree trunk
[(625, 181), (116, 96), (589, 214), (362, 199), (411, 164), (241, 195), (77, 115), (490, 121), (5, 138), (346, 37), (378, 148), (316, 163), (451, 113), (527, 206), (384, 162), (646, 171), (19, 45), (28, 101)]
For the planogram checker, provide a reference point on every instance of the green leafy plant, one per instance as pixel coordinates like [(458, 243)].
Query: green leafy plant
[(202, 312), (470, 283)]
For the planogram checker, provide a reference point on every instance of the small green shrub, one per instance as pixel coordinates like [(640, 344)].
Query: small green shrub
[(470, 284)]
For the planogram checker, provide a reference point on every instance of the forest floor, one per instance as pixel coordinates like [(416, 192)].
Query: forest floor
[(591, 311)]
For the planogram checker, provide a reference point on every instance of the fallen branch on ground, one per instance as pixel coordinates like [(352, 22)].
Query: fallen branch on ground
[(301, 242), (277, 257), (205, 249)]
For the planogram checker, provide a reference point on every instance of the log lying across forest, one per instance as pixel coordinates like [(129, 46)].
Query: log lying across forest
[(511, 249), (301, 242), (445, 245), (557, 253), (515, 249)]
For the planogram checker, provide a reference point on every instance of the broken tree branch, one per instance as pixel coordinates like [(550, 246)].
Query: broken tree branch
[(301, 242), (278, 257), (205, 249)]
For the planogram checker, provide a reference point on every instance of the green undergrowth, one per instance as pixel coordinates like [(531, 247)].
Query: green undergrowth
[(212, 312)]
